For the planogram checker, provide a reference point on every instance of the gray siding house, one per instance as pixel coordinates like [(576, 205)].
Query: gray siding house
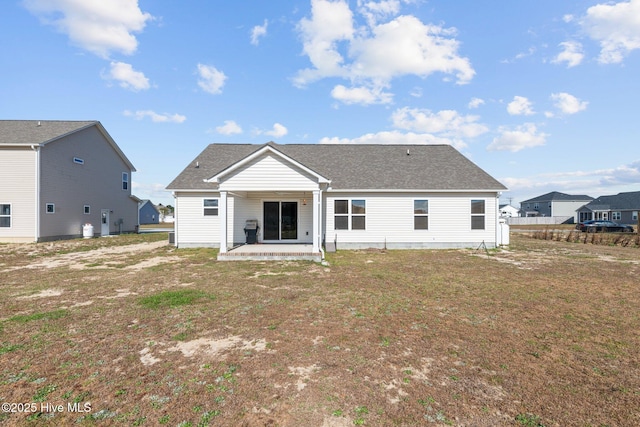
[(554, 204), (622, 208), (58, 176), (148, 213), (356, 196)]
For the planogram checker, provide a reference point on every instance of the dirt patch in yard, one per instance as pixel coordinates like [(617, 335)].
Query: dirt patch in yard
[(541, 333)]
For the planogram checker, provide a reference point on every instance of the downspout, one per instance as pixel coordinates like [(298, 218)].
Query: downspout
[(36, 148), (320, 222)]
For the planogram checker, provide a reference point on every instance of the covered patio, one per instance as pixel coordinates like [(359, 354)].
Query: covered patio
[(271, 252)]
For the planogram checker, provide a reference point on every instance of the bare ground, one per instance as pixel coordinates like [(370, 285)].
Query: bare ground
[(543, 333)]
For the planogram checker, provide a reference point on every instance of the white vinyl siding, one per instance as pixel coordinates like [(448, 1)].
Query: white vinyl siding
[(18, 189), (390, 221), (192, 227), (268, 173)]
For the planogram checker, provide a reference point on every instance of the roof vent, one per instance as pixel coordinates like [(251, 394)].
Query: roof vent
[(38, 122), (197, 165), (408, 153)]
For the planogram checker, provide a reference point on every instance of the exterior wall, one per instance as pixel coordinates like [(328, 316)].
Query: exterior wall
[(148, 214), (390, 221), (192, 227), (268, 173), (96, 183), (568, 208), (18, 188)]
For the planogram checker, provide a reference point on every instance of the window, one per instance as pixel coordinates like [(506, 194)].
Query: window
[(87, 209), (78, 161), (420, 214), (634, 215), (477, 214), (341, 211), (349, 212), (536, 206), (210, 207), (50, 208), (125, 181), (5, 215), (616, 216)]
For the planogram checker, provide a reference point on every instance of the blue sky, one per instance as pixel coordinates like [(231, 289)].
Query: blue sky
[(543, 94)]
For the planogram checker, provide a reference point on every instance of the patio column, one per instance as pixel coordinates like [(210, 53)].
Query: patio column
[(316, 221), (222, 214)]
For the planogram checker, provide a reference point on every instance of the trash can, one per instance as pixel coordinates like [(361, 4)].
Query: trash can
[(251, 231)]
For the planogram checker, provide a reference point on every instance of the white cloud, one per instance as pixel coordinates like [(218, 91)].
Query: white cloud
[(567, 103), (229, 127), (155, 117), (373, 55), (475, 103), (98, 26), (361, 95), (446, 123), (394, 137), (278, 131), (127, 77), (572, 54), (616, 27), (211, 79), (520, 106), (525, 136), (257, 32)]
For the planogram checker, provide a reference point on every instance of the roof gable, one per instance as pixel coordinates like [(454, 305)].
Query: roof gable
[(353, 167), (25, 133), (557, 196)]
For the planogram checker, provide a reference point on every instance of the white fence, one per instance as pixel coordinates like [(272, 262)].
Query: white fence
[(539, 220)]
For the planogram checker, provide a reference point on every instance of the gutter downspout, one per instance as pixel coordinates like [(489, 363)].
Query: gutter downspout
[(36, 148), (320, 222)]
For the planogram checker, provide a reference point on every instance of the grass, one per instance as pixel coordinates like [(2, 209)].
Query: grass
[(544, 333)]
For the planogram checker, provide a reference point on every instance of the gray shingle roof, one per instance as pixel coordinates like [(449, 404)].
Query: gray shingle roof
[(27, 132), (350, 166), (557, 196), (621, 201)]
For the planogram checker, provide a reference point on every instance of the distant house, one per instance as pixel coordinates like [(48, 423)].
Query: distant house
[(360, 196), (508, 211), (554, 204), (147, 213), (622, 208), (58, 176)]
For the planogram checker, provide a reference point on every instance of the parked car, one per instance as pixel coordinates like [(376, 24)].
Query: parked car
[(604, 226), (582, 226)]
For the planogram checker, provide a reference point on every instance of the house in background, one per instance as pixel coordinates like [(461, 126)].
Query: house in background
[(622, 208), (148, 213), (508, 211), (58, 176), (554, 204), (357, 196)]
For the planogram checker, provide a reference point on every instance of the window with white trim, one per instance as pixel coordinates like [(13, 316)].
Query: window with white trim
[(210, 207), (125, 180), (477, 214), (634, 215), (349, 214), (50, 208), (420, 214), (87, 209), (5, 215), (616, 216)]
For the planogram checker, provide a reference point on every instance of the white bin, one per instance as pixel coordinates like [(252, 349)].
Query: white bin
[(87, 231)]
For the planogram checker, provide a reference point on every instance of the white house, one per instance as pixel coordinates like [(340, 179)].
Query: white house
[(58, 176), (508, 211), (356, 196)]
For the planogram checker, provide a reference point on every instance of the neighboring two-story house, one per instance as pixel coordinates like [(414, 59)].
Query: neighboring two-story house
[(58, 176), (554, 204)]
